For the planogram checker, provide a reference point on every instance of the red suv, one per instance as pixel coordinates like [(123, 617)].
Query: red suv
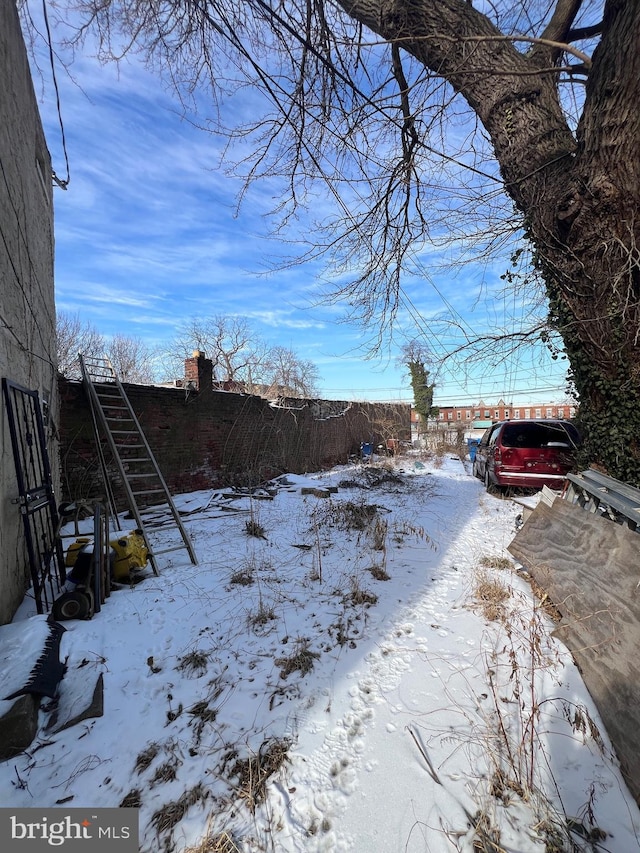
[(527, 454)]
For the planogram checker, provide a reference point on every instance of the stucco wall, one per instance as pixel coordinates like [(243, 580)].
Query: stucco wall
[(27, 312)]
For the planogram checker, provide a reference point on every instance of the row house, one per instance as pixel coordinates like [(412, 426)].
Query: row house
[(471, 414)]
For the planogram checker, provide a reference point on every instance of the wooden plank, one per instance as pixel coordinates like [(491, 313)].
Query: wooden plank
[(590, 568)]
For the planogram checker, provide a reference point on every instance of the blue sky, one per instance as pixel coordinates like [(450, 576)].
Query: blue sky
[(148, 234)]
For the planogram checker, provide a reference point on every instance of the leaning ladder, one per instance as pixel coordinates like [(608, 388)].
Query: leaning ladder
[(141, 478)]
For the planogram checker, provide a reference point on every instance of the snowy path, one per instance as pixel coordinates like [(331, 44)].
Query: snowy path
[(346, 635)]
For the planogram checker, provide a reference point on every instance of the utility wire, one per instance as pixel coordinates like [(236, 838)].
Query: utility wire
[(63, 184)]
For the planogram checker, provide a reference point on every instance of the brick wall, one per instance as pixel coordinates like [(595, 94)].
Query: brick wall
[(210, 438)]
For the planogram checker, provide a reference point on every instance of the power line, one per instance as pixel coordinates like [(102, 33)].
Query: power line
[(63, 184)]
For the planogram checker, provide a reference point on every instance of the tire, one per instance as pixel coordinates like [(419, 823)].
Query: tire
[(71, 605), (491, 487)]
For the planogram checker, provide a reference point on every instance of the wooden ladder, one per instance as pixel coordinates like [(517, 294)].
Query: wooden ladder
[(141, 478)]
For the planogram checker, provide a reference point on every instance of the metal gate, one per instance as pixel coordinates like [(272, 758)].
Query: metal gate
[(35, 493)]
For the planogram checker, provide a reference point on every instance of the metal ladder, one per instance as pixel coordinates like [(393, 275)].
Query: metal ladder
[(141, 478)]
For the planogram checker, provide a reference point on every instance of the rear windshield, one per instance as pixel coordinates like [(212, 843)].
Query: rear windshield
[(539, 435)]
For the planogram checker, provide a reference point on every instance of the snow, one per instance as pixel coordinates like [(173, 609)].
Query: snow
[(419, 721)]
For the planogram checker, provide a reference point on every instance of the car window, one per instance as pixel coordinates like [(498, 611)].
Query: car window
[(539, 435), (485, 438), (493, 437)]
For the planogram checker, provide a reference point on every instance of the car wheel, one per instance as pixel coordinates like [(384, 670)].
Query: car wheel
[(491, 488)]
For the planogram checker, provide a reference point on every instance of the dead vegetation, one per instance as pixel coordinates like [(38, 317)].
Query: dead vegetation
[(146, 757), (495, 562), (166, 818), (254, 772), (347, 515), (359, 596), (378, 476), (379, 573), (490, 595), (194, 663), (254, 528), (264, 615), (301, 660), (132, 800), (166, 772), (221, 842), (243, 577)]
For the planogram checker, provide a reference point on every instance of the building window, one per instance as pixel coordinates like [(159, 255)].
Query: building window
[(449, 416), (560, 413), (441, 416), (476, 414), (506, 413), (497, 414), (549, 412), (538, 413), (487, 413), (459, 415), (467, 415), (527, 413), (516, 413)]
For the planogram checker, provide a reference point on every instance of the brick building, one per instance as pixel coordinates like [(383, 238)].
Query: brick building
[(473, 414)]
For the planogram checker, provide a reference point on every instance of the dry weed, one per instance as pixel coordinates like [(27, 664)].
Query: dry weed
[(262, 616), (132, 800), (144, 759), (194, 662), (253, 528), (165, 818), (346, 515), (490, 594), (221, 842), (495, 562), (167, 772), (359, 596), (254, 772), (301, 660), (543, 598), (243, 577), (379, 573), (379, 533)]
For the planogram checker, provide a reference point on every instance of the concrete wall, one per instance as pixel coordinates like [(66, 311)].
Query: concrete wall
[(27, 312), (208, 438)]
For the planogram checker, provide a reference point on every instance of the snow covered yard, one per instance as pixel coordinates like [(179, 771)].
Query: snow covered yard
[(360, 672)]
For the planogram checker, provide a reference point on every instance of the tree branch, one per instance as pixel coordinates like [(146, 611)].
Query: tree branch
[(549, 47)]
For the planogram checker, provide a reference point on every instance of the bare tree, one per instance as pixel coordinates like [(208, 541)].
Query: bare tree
[(367, 96), (240, 356), (288, 375), (74, 336), (235, 350), (132, 359)]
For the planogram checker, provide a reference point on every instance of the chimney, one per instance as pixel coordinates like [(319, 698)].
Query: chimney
[(198, 372)]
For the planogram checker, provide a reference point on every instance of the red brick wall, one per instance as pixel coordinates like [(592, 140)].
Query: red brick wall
[(212, 438)]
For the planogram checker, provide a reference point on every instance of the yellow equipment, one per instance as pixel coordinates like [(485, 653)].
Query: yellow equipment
[(129, 551)]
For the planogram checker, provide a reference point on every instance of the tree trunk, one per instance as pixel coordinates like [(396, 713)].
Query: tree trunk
[(579, 195)]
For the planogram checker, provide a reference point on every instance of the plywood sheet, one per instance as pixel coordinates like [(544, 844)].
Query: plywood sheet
[(590, 568)]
